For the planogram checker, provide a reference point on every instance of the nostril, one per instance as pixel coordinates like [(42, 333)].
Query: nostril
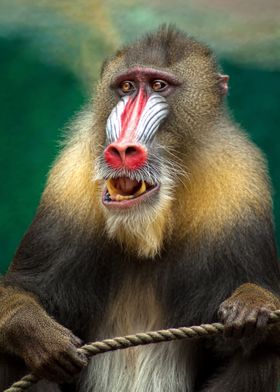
[(113, 156), (114, 151), (131, 151)]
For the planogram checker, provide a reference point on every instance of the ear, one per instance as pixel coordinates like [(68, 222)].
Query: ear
[(223, 83)]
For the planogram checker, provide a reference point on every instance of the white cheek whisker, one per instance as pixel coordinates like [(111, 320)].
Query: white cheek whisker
[(154, 113), (113, 126)]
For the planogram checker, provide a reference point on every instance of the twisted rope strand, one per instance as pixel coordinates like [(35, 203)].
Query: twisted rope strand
[(139, 339)]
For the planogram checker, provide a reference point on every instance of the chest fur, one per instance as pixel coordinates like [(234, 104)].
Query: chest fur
[(162, 367)]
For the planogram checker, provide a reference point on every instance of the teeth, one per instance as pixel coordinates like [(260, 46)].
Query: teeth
[(114, 192), (142, 189), (120, 197), (111, 189)]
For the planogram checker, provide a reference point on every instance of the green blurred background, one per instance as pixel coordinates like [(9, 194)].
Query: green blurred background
[(50, 56)]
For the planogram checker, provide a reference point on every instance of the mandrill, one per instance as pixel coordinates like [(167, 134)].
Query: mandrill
[(156, 214)]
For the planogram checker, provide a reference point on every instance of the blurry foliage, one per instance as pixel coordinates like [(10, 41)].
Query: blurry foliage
[(254, 103), (50, 56), (36, 101)]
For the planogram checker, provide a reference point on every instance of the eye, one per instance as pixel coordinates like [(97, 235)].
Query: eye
[(159, 85), (126, 87)]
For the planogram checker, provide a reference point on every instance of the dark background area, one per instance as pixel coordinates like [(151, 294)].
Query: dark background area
[(50, 58)]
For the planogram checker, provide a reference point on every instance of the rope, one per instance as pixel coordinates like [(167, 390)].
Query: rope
[(140, 339)]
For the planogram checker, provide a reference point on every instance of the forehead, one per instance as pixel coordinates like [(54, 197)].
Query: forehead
[(165, 50)]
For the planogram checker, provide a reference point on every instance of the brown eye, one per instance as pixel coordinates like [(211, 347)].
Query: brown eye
[(127, 87), (159, 85)]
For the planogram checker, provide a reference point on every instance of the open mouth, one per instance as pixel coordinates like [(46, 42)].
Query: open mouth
[(125, 192)]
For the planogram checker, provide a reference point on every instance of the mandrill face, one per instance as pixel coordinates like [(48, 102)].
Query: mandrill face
[(155, 117), (131, 156)]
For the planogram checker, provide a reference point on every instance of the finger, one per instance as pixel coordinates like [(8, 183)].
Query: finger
[(70, 368), (73, 338), (76, 341), (222, 313), (68, 365), (69, 335), (76, 358), (239, 323), (225, 309), (66, 332), (229, 319), (231, 314), (250, 323), (262, 318)]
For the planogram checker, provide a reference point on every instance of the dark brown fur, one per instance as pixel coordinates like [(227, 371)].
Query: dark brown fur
[(211, 241)]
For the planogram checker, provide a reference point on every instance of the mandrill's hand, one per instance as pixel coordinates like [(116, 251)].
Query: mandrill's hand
[(48, 349), (247, 311)]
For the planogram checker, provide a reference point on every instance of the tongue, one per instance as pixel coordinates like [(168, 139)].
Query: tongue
[(125, 185)]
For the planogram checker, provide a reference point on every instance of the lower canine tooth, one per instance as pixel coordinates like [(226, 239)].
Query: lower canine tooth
[(111, 189), (142, 189)]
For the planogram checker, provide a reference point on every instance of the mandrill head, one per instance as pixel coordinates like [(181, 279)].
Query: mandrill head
[(156, 103)]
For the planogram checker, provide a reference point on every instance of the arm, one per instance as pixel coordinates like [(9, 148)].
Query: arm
[(210, 270), (26, 329), (47, 348)]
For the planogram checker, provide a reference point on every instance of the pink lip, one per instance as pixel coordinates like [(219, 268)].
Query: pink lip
[(124, 204)]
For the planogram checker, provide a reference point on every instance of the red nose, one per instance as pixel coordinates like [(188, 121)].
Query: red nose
[(125, 155)]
